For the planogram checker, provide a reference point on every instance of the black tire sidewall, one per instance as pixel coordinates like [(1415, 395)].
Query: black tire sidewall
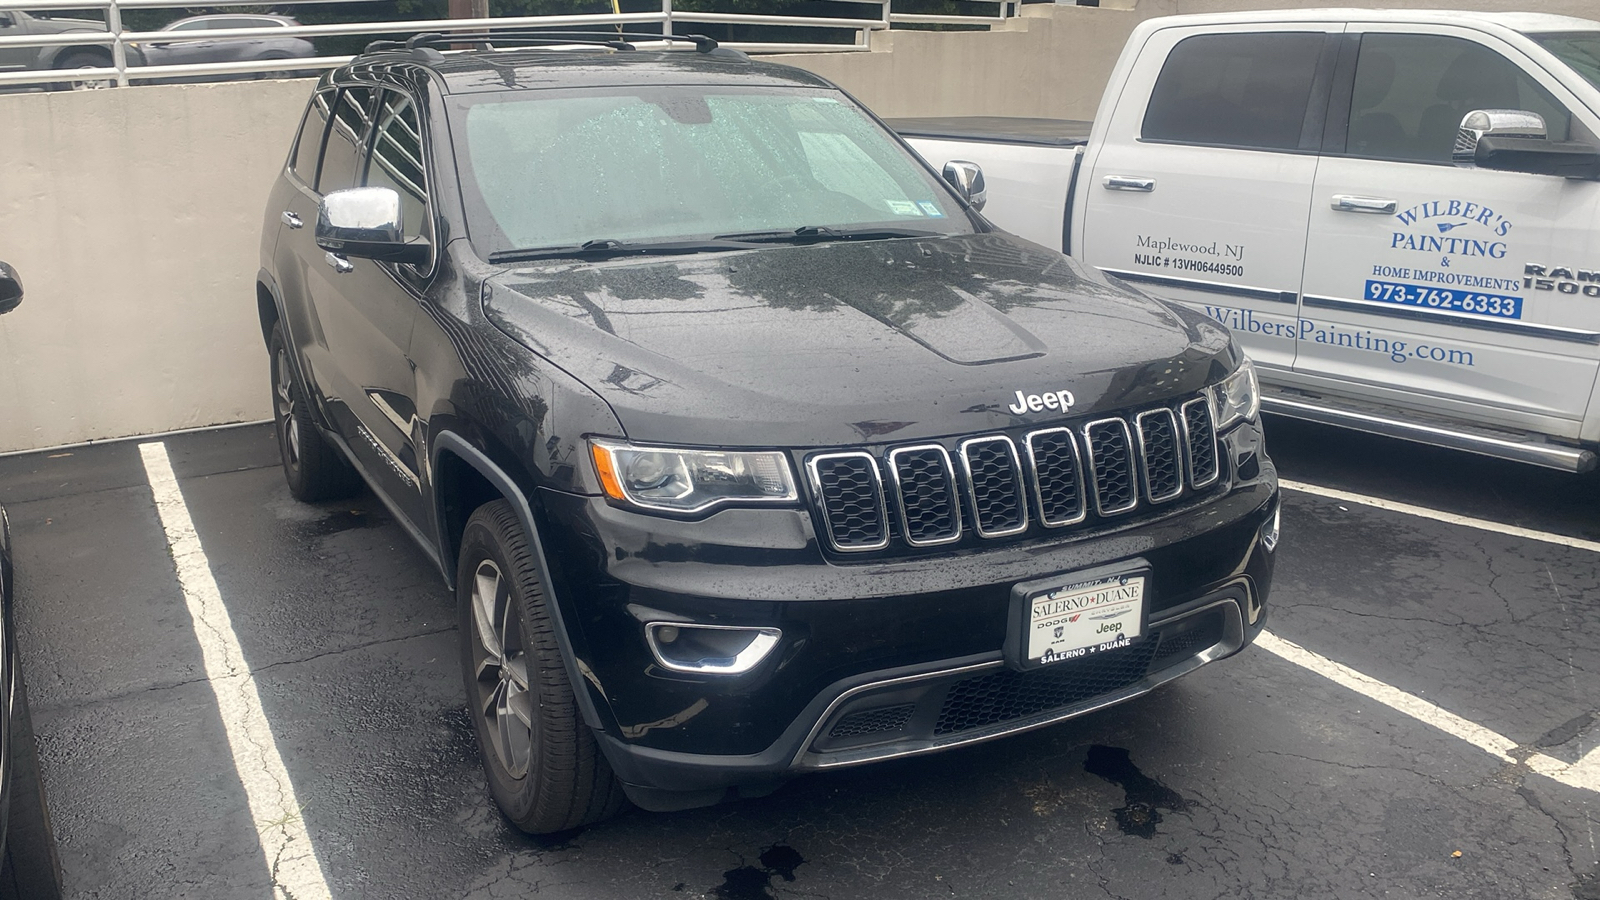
[(480, 541)]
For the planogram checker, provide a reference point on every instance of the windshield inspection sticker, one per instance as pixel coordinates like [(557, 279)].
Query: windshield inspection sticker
[(903, 208), (930, 208)]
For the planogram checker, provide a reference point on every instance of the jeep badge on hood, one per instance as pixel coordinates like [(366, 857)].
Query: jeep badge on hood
[(1061, 400)]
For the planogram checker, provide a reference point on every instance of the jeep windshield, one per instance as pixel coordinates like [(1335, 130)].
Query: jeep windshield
[(681, 168), (1580, 50)]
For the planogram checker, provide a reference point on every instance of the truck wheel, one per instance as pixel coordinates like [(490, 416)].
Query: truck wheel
[(31, 869), (544, 768), (83, 59), (313, 467)]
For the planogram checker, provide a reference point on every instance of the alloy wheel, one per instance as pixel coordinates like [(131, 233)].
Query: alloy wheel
[(290, 427), (501, 665)]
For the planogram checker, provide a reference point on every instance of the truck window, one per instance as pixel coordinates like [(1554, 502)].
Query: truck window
[(1578, 49), (1412, 90), (1235, 90)]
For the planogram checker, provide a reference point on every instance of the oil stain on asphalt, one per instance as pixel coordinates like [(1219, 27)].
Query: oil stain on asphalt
[(1144, 797), (751, 883)]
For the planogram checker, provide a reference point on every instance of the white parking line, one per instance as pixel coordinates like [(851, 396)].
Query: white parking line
[(293, 862), (1438, 516), (1583, 774)]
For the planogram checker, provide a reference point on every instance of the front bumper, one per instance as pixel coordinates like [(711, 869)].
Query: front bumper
[(878, 659)]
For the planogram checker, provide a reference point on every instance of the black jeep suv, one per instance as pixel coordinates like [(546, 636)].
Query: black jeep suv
[(748, 446)]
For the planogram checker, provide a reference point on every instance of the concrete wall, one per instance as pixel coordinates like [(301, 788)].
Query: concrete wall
[(134, 215)]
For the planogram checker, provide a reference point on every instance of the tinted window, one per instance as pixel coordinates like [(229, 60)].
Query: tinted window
[(191, 25), (309, 144), (1578, 49), (396, 160), (352, 117), (1412, 90), (559, 168), (1235, 90)]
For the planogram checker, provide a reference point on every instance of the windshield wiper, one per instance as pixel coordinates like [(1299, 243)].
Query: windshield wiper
[(811, 234), (603, 248)]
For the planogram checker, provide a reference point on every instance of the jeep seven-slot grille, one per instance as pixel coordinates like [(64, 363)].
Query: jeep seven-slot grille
[(1057, 476)]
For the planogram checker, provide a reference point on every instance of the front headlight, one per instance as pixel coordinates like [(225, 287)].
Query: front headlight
[(1236, 398), (690, 481)]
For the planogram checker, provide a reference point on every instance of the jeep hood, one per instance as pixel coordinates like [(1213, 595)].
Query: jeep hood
[(846, 343)]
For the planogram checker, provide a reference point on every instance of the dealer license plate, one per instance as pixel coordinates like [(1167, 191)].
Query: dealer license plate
[(1088, 617)]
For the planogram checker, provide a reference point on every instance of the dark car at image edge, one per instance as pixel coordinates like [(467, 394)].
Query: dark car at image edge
[(748, 446)]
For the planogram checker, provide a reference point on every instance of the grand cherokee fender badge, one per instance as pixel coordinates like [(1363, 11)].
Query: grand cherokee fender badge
[(1061, 400)]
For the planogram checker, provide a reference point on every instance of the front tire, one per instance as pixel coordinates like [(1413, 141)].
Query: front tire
[(31, 869), (84, 59), (314, 468), (545, 769)]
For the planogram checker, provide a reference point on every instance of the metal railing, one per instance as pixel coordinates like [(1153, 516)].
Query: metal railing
[(126, 61)]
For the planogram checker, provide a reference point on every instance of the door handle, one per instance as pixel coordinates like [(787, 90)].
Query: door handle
[(291, 220), (340, 264), (1130, 183), (1375, 205)]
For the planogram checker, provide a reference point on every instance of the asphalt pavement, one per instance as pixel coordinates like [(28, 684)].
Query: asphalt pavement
[(1255, 777)]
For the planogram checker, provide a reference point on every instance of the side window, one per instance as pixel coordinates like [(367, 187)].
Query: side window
[(1412, 90), (352, 117), (396, 160), (1235, 90), (308, 146)]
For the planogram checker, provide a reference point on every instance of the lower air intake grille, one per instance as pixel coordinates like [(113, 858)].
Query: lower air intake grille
[(1003, 696), (852, 500), (873, 721)]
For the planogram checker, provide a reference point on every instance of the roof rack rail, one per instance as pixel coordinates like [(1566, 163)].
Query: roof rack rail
[(613, 40)]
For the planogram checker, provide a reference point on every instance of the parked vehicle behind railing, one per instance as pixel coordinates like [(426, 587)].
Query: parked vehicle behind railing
[(103, 53)]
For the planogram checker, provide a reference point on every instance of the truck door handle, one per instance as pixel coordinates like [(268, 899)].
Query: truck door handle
[(1374, 205), (291, 220), (340, 264), (1130, 183)]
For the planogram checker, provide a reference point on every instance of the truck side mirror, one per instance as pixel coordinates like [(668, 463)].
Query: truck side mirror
[(10, 288), (1482, 123), (967, 179), (366, 222)]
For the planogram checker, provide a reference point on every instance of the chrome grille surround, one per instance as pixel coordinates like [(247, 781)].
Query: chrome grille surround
[(998, 485), (1075, 512), (994, 493), (1161, 458), (907, 528), (819, 468), (1200, 442), (1104, 468)]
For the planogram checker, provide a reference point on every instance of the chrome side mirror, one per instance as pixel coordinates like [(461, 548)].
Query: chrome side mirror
[(10, 288), (967, 179), (367, 222), (1482, 123)]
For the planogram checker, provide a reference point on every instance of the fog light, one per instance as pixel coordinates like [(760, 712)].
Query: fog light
[(1269, 529), (709, 649)]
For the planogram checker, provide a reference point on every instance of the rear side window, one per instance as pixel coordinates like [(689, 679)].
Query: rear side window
[(396, 160), (309, 145), (1412, 90), (352, 117), (1235, 90)]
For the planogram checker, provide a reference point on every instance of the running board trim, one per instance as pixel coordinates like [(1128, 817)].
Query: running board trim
[(1550, 456)]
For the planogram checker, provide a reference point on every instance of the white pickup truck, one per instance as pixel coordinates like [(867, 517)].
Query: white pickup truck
[(1397, 212)]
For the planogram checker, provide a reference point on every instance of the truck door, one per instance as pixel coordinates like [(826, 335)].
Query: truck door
[(1200, 189), (1459, 292)]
